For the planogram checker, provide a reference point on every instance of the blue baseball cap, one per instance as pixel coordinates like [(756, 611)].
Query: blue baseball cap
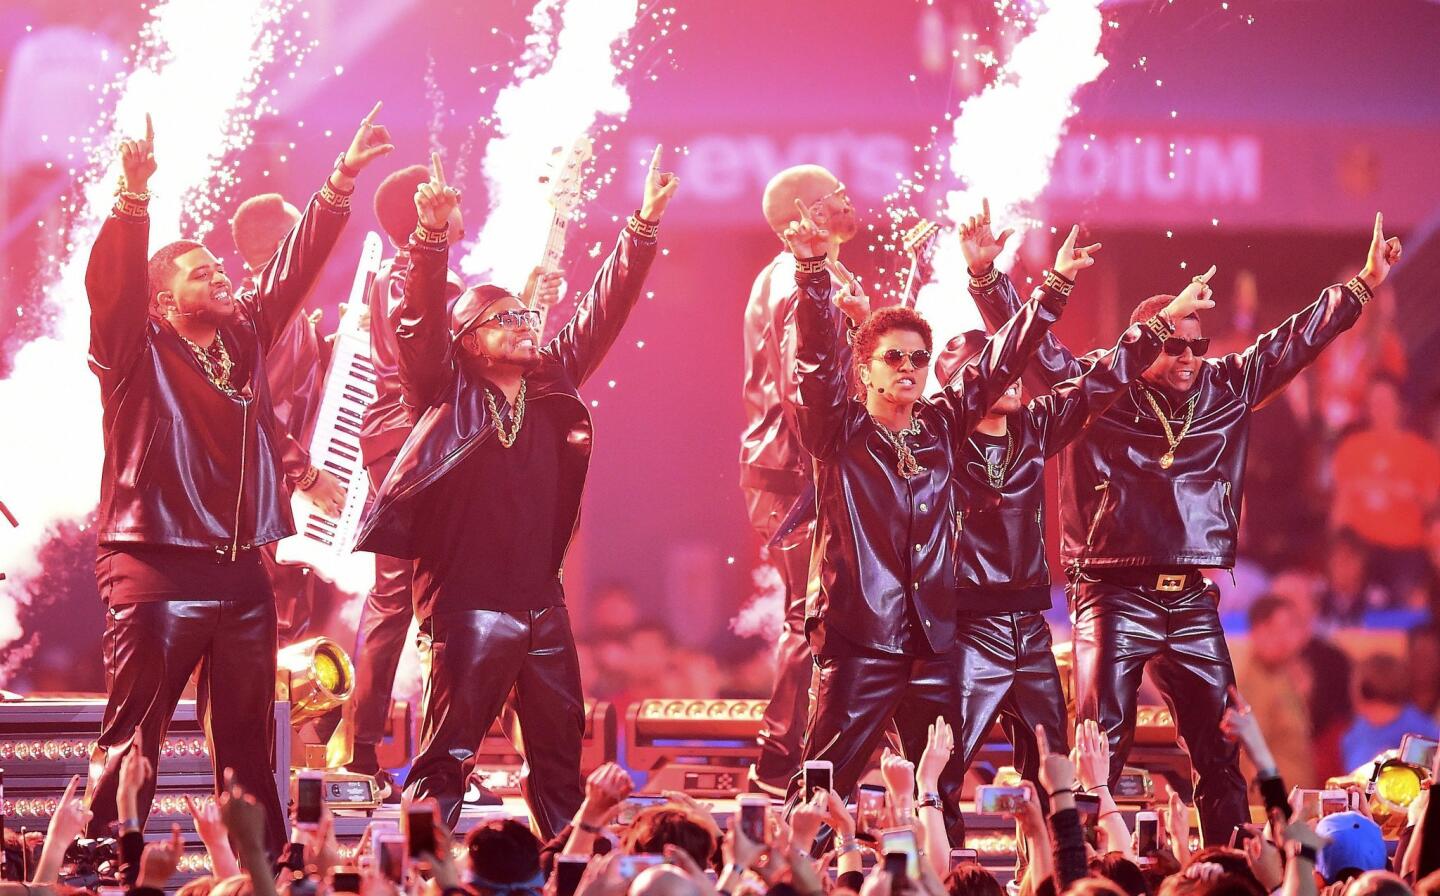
[(1355, 842)]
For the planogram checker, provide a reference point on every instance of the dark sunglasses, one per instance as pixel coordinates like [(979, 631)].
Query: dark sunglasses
[(1176, 346), (515, 319), (920, 358)]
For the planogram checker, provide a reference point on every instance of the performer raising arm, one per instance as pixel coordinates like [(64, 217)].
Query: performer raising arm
[(1004, 581), (883, 631), (485, 495), (190, 486), (774, 471), (1149, 496)]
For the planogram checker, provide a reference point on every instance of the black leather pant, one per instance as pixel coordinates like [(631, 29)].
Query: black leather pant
[(784, 726), (379, 642), (857, 698), (1007, 671), (477, 657), (150, 651), (1121, 626)]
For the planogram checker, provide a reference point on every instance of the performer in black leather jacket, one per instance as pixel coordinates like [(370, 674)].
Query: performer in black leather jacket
[(386, 614), (883, 626), (1149, 496), (485, 495), (774, 469), (192, 485), (1004, 580)]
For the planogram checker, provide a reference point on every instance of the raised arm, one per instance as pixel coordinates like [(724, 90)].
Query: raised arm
[(289, 275), (1075, 404), (422, 336), (581, 345), (997, 300), (116, 280), (980, 382), (1259, 372)]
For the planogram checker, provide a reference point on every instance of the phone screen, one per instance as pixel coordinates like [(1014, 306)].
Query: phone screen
[(309, 799), (818, 776), (869, 806), (348, 882), (995, 800), (1088, 805), (902, 840), (897, 866), (1147, 833), (420, 828), (752, 821), (959, 857), (568, 871), (390, 851), (1418, 751)]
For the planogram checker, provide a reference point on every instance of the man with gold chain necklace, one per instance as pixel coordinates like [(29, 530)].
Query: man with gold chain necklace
[(1004, 580), (882, 628), (1149, 496), (191, 486), (485, 496)]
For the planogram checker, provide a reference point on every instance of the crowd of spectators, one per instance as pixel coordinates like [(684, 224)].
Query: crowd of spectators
[(821, 847)]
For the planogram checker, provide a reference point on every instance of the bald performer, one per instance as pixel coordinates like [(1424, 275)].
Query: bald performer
[(774, 469)]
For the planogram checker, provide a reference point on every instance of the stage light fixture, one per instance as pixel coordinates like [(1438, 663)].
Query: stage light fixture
[(316, 676)]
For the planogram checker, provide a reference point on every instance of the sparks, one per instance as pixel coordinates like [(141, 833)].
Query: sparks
[(567, 79)]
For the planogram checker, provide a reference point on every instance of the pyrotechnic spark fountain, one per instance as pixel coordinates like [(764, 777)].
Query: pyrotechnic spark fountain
[(1006, 137), (567, 79), (196, 65)]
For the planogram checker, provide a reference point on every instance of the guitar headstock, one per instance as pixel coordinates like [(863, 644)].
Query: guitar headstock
[(920, 239), (566, 182)]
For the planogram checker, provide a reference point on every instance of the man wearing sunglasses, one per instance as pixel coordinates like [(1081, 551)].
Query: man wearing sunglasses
[(1004, 580), (1150, 496), (882, 627), (774, 468), (485, 495)]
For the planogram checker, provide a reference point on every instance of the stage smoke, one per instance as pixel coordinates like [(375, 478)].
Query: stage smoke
[(764, 612), (196, 65), (1005, 139), (566, 80)]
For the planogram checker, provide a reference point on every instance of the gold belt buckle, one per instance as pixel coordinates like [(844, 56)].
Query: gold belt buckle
[(1170, 583)]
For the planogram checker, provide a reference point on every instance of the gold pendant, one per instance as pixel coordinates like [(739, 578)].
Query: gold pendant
[(1167, 459)]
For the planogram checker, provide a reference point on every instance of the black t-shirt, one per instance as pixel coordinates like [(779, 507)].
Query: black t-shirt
[(1035, 599), (139, 573), (487, 539)]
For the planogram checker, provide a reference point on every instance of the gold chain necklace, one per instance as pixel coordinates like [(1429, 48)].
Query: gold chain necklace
[(516, 418), (1168, 457), (907, 466), (220, 377), (996, 473)]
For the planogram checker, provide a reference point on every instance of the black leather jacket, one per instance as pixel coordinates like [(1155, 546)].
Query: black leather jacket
[(885, 544), (1118, 507), (454, 419), (387, 420), (771, 458), (1000, 554), (185, 464)]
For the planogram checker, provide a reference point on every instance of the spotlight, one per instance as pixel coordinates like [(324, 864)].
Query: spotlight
[(316, 676)]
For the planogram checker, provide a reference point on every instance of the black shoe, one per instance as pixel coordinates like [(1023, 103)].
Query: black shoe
[(390, 792), (477, 794)]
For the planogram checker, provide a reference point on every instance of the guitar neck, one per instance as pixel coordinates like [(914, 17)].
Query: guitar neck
[(550, 259), (554, 244)]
